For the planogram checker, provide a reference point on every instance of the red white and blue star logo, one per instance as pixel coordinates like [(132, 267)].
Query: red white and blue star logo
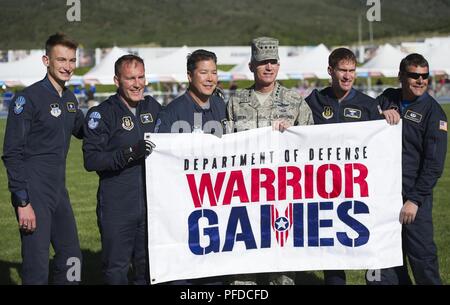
[(282, 224)]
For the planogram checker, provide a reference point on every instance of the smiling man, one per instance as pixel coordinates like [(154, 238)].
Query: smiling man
[(266, 103), (201, 109), (40, 123), (115, 148), (341, 102), (424, 148)]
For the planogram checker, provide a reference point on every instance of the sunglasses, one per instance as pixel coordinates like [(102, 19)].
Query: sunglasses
[(414, 75)]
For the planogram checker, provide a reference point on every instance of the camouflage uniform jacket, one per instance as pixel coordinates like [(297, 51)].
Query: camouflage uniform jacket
[(245, 112)]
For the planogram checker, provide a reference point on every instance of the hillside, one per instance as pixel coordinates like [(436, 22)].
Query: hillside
[(26, 23)]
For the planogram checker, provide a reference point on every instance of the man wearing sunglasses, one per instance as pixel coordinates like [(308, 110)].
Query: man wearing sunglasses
[(424, 148)]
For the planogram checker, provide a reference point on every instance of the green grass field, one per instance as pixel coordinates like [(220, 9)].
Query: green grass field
[(82, 188)]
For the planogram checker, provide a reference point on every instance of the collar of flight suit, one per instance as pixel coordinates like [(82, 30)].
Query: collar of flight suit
[(49, 86)]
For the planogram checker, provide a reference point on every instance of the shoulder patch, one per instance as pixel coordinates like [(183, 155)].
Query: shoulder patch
[(443, 125), (18, 104), (158, 123), (94, 119)]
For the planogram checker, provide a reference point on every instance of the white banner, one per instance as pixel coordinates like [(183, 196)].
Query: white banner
[(312, 198)]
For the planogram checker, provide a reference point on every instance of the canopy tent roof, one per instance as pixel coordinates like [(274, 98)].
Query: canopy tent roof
[(385, 62), (23, 72), (103, 73), (439, 59), (169, 68), (313, 64)]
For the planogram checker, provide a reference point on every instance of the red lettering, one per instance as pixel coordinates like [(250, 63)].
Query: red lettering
[(361, 179), (257, 184), (236, 181), (336, 181), (309, 181), (198, 193)]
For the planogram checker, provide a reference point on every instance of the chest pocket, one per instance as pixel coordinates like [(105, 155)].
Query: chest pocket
[(284, 111), (49, 116), (245, 117)]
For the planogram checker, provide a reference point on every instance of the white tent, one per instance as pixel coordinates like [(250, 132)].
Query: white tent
[(313, 64), (103, 73), (23, 72), (241, 71), (169, 68), (439, 59), (385, 62)]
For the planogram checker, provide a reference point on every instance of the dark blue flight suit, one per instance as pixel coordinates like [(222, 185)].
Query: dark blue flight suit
[(121, 201), (424, 147), (38, 132), (194, 118), (356, 107), (327, 109), (189, 117)]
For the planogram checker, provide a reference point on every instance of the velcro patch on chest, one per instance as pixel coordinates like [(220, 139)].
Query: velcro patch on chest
[(71, 107), (146, 118), (327, 112), (413, 116), (352, 113), (127, 123), (55, 110)]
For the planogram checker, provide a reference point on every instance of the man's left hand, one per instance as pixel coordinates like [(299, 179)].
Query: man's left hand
[(408, 212)]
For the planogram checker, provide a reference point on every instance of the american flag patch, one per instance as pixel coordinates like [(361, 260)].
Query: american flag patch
[(443, 125)]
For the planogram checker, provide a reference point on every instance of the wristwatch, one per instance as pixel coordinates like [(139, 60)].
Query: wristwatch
[(20, 199), (23, 203)]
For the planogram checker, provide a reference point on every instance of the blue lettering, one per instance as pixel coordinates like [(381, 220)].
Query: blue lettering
[(363, 232), (239, 215), (211, 232)]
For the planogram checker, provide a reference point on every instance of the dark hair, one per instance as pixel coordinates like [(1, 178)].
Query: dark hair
[(340, 54), (129, 58), (199, 55), (59, 39), (413, 59)]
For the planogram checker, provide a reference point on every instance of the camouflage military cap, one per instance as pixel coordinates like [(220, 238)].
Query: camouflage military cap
[(264, 48)]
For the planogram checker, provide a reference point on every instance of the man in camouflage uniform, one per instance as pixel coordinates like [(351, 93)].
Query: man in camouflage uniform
[(266, 103)]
